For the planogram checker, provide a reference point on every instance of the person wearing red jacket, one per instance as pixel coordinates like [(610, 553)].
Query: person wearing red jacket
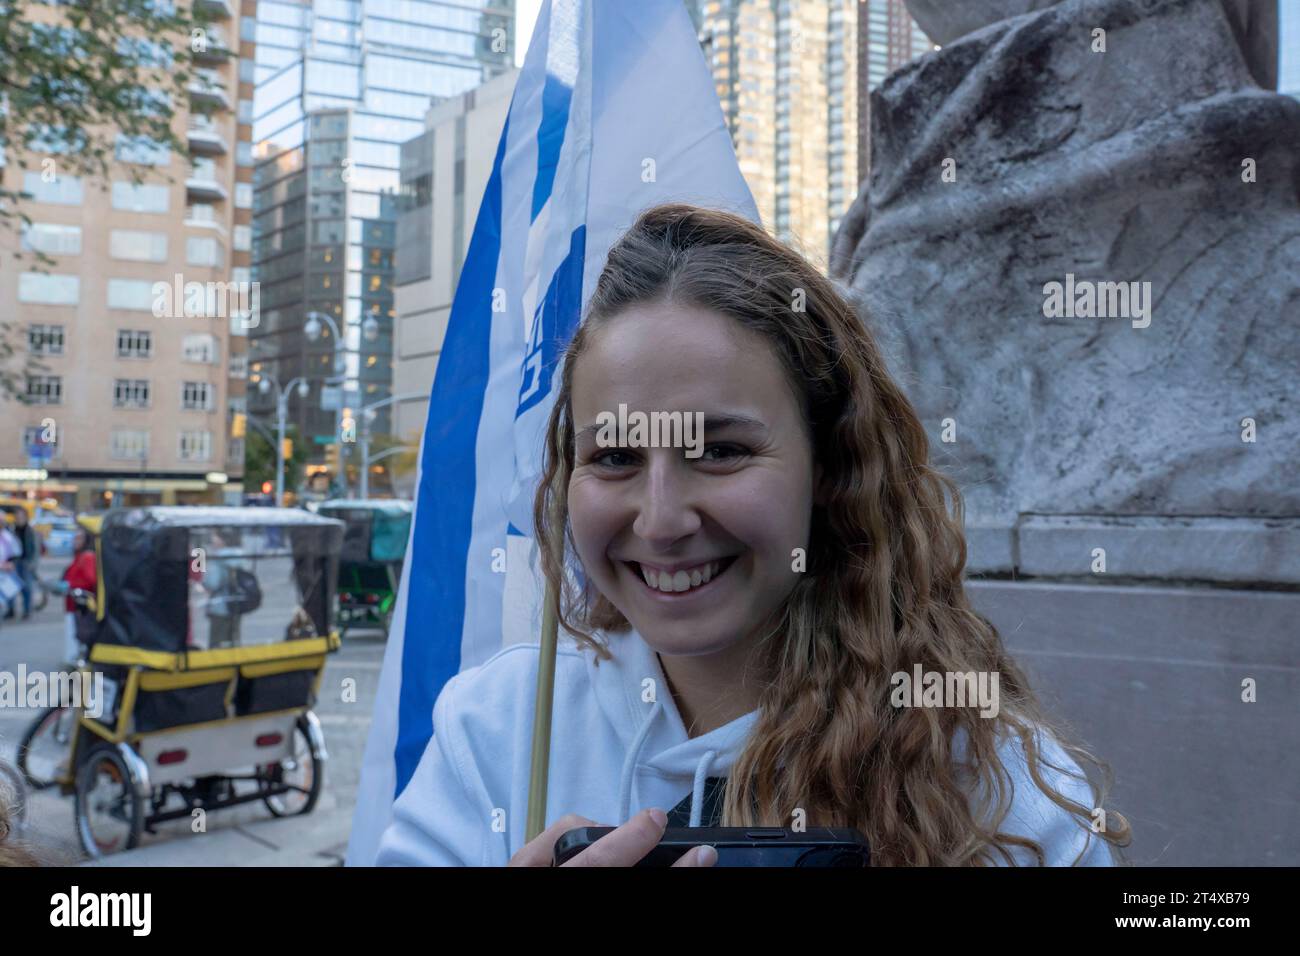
[(81, 573)]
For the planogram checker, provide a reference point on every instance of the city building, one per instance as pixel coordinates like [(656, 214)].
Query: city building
[(786, 73), (444, 172), (888, 38), (341, 85), (132, 396)]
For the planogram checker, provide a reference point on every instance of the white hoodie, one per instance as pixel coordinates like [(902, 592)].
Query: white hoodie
[(613, 753)]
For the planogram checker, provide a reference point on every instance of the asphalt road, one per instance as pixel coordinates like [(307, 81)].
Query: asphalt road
[(38, 642)]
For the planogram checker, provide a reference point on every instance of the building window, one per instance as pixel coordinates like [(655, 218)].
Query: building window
[(235, 450), (61, 191), (134, 343), (45, 339), (128, 444), (131, 393), (202, 251), (195, 446), (47, 288), (243, 238), (52, 238), (44, 389), (244, 195), (141, 150), (137, 246), (238, 366), (130, 294), (200, 347), (140, 197), (196, 397)]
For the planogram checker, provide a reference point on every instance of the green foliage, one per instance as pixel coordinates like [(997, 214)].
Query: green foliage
[(77, 73), (259, 459), (73, 75)]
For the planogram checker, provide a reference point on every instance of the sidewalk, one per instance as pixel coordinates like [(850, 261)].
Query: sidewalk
[(317, 839)]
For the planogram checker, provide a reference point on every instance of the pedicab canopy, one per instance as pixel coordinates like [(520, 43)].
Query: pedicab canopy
[(377, 529), (176, 579)]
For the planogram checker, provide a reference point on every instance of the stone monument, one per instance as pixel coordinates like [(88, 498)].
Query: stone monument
[(1079, 244)]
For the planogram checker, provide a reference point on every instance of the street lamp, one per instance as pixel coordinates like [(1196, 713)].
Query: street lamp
[(312, 328), (368, 414), (265, 384)]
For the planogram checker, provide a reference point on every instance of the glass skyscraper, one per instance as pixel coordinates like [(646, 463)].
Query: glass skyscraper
[(340, 85)]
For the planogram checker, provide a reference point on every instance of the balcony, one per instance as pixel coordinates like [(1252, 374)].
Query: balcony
[(205, 136), (216, 50), (204, 216), (217, 8), (207, 87), (202, 183)]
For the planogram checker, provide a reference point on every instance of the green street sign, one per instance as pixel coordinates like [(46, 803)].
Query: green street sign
[(324, 439)]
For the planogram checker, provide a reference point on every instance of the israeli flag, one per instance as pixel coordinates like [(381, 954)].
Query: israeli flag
[(614, 111)]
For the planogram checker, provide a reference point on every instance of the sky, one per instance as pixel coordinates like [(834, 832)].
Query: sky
[(1289, 73), (1289, 12), (526, 16)]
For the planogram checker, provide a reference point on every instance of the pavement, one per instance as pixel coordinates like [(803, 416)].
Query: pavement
[(245, 835), (317, 839)]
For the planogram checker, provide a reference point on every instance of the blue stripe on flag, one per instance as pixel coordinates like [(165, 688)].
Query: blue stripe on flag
[(556, 97), (435, 599)]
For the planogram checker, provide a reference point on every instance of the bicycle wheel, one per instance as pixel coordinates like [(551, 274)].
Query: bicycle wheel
[(109, 811), (303, 771), (44, 749)]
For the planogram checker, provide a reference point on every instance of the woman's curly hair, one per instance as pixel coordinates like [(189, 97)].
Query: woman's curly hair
[(883, 587)]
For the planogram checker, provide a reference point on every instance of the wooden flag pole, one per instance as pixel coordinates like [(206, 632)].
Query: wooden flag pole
[(537, 780)]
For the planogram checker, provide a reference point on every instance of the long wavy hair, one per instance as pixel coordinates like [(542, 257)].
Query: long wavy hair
[(883, 587), (12, 853)]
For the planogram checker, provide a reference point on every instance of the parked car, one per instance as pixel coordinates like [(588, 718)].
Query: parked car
[(58, 539)]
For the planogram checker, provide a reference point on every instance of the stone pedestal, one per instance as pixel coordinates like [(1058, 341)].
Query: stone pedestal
[(1079, 246)]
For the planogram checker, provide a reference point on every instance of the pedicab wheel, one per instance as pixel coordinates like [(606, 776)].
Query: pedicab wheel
[(109, 811), (45, 746), (303, 770)]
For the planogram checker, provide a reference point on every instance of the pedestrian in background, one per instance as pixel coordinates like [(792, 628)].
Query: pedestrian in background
[(11, 585), (29, 554), (232, 590), (81, 573)]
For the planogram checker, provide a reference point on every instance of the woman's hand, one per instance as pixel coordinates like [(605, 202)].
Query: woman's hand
[(626, 846)]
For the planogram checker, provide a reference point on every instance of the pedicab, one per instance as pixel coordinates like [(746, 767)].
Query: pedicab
[(370, 565), (207, 644)]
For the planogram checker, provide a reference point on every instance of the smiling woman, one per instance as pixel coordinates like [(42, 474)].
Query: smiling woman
[(740, 614)]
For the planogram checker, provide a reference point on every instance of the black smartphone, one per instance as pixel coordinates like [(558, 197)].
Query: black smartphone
[(740, 846)]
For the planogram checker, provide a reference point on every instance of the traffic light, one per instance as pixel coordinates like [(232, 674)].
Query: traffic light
[(332, 458), (267, 487), (238, 425), (288, 449)]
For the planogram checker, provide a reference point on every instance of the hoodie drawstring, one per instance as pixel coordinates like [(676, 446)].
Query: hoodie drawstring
[(629, 764), (697, 791), (629, 769)]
